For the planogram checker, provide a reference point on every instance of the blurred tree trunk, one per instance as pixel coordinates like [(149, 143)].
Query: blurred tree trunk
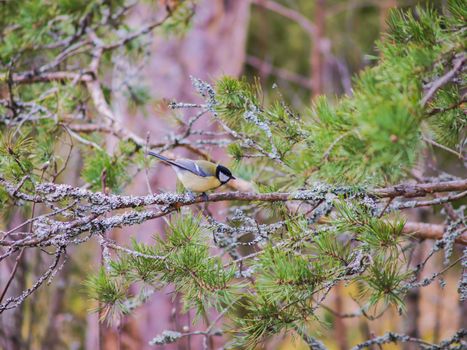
[(52, 339), (11, 321), (463, 314), (329, 74), (53, 320), (410, 322), (384, 9), (320, 68), (438, 313), (214, 46), (317, 59), (339, 325), (321, 71)]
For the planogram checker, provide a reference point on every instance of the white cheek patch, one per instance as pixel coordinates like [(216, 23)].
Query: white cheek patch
[(223, 177)]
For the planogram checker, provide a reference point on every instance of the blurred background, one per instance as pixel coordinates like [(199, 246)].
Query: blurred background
[(295, 48)]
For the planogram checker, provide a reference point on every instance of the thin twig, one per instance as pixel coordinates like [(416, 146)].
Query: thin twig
[(443, 80), (450, 150)]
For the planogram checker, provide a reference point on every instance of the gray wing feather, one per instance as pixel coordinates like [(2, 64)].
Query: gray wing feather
[(191, 166), (184, 164)]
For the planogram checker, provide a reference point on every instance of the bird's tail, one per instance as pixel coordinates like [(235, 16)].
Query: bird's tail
[(161, 157)]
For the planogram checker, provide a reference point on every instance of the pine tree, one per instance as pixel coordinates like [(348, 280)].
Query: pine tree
[(327, 187)]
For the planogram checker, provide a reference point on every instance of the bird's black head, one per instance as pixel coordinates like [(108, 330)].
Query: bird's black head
[(223, 174)]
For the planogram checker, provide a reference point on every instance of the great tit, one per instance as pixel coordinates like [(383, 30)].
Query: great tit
[(198, 175)]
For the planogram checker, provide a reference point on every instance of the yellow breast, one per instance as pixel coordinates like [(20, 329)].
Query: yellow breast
[(196, 183)]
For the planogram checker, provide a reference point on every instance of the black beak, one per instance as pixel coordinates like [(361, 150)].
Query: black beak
[(233, 178)]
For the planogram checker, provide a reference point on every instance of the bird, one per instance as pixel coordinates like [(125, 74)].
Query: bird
[(197, 175)]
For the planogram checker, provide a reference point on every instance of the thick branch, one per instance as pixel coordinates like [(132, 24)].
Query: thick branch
[(101, 203), (420, 190), (104, 109), (50, 192), (429, 231), (403, 338)]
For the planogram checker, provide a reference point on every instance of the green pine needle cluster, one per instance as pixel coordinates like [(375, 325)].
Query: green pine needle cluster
[(288, 277), (102, 169), (182, 259), (384, 283)]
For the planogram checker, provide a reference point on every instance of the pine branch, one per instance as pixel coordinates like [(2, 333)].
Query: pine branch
[(403, 338), (428, 203), (420, 190), (102, 203), (50, 192)]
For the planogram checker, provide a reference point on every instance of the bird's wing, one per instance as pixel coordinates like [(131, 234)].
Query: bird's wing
[(187, 164), (192, 166)]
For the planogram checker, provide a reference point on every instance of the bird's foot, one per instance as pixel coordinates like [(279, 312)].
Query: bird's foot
[(204, 196)]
